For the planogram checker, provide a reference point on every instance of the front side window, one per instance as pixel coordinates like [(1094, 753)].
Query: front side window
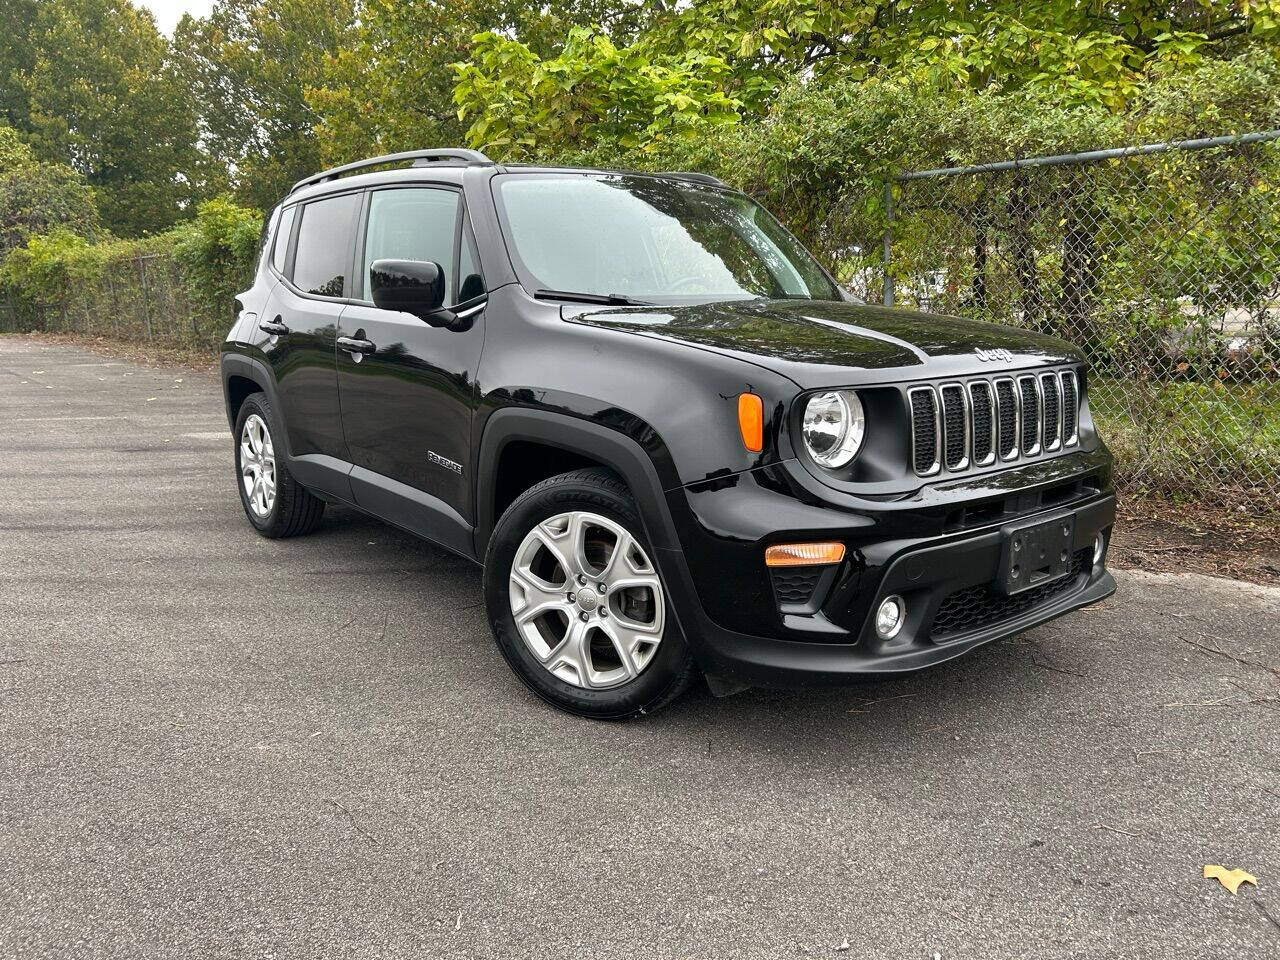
[(413, 224), (651, 239), (325, 240)]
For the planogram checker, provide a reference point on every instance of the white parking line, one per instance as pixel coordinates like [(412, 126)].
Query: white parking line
[(48, 419)]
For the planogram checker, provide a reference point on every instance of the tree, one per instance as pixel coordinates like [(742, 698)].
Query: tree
[(391, 88), (520, 104), (1065, 51), (102, 97), (15, 153), (17, 58), (36, 198), (248, 66)]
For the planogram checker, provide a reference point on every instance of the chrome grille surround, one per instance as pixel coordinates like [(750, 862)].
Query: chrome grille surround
[(1006, 418), (982, 406), (957, 437), (923, 402), (1070, 407), (1008, 427), (1031, 414), (1050, 412)]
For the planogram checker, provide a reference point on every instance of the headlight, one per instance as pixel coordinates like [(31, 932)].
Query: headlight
[(833, 427)]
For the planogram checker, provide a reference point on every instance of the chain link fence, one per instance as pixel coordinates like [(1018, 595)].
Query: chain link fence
[(140, 297), (1161, 262)]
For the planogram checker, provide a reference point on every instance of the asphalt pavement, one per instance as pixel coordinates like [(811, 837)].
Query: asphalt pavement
[(214, 745)]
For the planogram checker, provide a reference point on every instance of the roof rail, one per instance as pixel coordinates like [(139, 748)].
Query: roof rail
[(697, 177), (420, 158)]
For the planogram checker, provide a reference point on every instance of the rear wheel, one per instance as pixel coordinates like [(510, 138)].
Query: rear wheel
[(576, 603), (275, 503)]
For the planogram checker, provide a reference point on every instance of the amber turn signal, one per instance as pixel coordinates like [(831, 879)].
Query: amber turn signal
[(803, 554), (751, 421)]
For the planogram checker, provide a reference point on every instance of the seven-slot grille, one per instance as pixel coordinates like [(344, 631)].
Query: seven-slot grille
[(955, 425)]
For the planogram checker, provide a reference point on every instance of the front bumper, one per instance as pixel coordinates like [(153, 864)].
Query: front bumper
[(742, 634)]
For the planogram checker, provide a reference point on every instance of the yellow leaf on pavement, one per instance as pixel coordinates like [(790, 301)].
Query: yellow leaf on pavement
[(1231, 879)]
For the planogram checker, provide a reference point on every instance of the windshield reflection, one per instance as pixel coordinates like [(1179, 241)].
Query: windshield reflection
[(654, 239)]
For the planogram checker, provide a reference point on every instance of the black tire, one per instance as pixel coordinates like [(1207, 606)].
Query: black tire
[(670, 671), (296, 509)]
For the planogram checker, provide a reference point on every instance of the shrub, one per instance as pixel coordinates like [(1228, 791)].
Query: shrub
[(178, 285)]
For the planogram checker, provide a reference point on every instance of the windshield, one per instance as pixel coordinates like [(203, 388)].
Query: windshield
[(653, 240)]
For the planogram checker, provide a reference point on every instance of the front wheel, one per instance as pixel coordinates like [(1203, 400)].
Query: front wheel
[(576, 603)]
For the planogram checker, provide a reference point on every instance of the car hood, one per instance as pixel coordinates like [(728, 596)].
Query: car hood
[(826, 343)]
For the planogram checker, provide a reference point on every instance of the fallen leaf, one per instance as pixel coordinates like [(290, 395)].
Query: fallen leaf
[(1231, 879)]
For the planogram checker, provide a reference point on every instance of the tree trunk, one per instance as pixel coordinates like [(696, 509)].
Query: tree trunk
[(1030, 297), (1079, 270)]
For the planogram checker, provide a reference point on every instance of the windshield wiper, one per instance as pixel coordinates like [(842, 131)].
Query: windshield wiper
[(606, 299)]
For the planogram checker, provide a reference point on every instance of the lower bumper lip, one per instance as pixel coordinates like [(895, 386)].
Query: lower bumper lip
[(817, 651)]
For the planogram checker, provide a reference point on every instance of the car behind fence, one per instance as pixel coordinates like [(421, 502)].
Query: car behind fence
[(1162, 262)]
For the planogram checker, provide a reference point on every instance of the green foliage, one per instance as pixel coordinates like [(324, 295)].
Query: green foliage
[(217, 249), (390, 86), (17, 59), (735, 59), (182, 281), (100, 96), (593, 90), (47, 266), (37, 198), (248, 67), (1168, 435), (15, 153)]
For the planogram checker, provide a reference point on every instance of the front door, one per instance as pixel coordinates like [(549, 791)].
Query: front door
[(303, 311), (407, 406)]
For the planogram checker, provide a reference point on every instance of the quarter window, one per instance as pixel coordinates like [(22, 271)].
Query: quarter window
[(413, 224), (281, 239), (470, 280), (324, 245)]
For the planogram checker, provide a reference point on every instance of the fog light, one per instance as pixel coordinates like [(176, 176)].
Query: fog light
[(889, 617), (1099, 545)]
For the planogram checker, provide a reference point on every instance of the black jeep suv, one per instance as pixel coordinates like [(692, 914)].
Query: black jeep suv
[(675, 445)]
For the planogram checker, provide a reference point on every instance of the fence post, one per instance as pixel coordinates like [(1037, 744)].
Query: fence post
[(887, 251), (146, 296), (115, 303)]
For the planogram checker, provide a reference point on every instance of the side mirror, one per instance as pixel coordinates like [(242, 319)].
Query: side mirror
[(412, 286)]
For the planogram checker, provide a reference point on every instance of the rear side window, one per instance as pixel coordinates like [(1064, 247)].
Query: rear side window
[(323, 255), (283, 232)]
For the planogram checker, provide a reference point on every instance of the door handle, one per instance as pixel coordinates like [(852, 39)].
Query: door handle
[(356, 345), (275, 327)]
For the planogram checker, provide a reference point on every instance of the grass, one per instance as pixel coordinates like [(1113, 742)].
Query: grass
[(1218, 440)]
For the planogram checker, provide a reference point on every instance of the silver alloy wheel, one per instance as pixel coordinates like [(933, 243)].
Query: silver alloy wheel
[(587, 600), (258, 466)]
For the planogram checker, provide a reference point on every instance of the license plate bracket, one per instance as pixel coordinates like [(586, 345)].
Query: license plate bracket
[(1035, 554)]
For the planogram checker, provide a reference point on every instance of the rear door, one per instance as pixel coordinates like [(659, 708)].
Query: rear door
[(407, 407), (302, 316)]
